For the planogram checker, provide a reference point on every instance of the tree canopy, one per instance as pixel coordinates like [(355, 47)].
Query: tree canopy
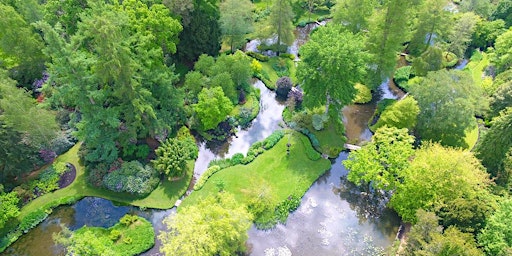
[(332, 62), (217, 225)]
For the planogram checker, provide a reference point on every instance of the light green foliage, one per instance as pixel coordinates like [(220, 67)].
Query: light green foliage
[(493, 147), (226, 221), (433, 21), (212, 107), (401, 114), (204, 177), (20, 111), (430, 60), (130, 238), (333, 60), (364, 94), (112, 70), (402, 76), (8, 206), (496, 237), (388, 28), (435, 178), (354, 13), (427, 238), (280, 22), (20, 47), (486, 32), (236, 21), (460, 36), (380, 163), (503, 51), (133, 178), (448, 102), (171, 158)]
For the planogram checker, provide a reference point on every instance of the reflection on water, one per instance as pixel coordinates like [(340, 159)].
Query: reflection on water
[(267, 121), (329, 222)]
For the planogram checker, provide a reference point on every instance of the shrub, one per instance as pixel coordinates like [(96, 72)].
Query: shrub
[(237, 158), (283, 86), (273, 139), (114, 235), (287, 55), (258, 56), (256, 67), (449, 59), (248, 159), (172, 158), (310, 151), (133, 178), (364, 94), (62, 143), (287, 206), (32, 219), (402, 76), (204, 177), (318, 121)]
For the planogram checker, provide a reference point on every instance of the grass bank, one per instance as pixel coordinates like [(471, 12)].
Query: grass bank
[(274, 174)]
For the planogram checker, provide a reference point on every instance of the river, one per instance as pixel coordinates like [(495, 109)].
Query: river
[(334, 218)]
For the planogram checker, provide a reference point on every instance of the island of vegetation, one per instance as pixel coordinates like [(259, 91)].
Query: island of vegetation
[(113, 99)]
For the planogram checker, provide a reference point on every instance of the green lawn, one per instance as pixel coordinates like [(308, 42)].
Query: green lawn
[(269, 69), (163, 197), (283, 175), (331, 141), (472, 136), (477, 68)]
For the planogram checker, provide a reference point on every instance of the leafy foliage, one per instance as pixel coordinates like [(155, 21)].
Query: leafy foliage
[(124, 238), (333, 60), (8, 206), (236, 21), (400, 114), (495, 145), (435, 178), (381, 163), (496, 237), (212, 107), (448, 102), (133, 178), (172, 156), (283, 86), (503, 51), (227, 223)]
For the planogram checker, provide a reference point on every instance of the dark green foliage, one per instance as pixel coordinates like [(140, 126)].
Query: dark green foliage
[(133, 178), (430, 60), (448, 102), (32, 219), (503, 11), (203, 33), (501, 99), (310, 151), (287, 206), (494, 146)]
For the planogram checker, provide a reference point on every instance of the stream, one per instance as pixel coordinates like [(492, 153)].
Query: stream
[(334, 217)]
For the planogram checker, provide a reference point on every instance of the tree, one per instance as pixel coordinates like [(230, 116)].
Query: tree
[(427, 238), (430, 60), (354, 14), (380, 163), (20, 47), (283, 86), (67, 13), (435, 178), (8, 206), (181, 8), (486, 32), (503, 11), (481, 7), (503, 51), (171, 158), (496, 237), (433, 21), (112, 71), (19, 111), (212, 107), (388, 29), (448, 102), (460, 37), (492, 149), (217, 225), (501, 99), (280, 22), (202, 35), (401, 114), (236, 21), (332, 61)]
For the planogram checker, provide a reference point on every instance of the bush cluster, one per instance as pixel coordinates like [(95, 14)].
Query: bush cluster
[(32, 219), (402, 76), (258, 56), (133, 178), (204, 177), (310, 151)]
